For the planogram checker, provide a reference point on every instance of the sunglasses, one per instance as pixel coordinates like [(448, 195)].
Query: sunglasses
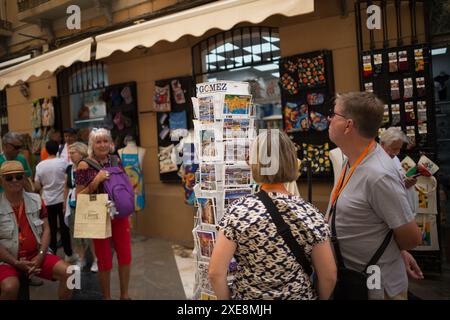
[(16, 147), (11, 177)]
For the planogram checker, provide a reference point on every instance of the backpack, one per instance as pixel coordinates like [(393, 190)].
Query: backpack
[(118, 187)]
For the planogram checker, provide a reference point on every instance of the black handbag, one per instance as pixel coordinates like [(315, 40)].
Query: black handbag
[(351, 284), (285, 232)]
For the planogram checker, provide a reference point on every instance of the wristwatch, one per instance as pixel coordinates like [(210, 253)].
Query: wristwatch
[(41, 252)]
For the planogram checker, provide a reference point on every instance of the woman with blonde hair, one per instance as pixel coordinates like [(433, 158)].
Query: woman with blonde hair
[(267, 267), (77, 152), (90, 181)]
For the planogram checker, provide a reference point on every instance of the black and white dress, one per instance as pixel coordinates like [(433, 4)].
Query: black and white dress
[(267, 269)]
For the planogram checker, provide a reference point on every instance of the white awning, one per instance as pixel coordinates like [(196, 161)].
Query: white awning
[(222, 14), (50, 61)]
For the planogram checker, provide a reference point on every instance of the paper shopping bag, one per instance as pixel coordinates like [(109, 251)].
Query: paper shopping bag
[(92, 220)]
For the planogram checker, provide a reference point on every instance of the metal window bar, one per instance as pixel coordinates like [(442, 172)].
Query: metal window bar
[(202, 52)]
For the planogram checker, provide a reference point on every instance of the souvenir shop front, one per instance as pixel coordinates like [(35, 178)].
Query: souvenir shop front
[(294, 63)]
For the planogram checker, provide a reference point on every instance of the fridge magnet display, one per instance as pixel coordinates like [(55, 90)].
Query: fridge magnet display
[(236, 128), (178, 92), (407, 88), (393, 64), (207, 207), (368, 87), (289, 84), (367, 66), (419, 62), (409, 111), (236, 176), (296, 117), (422, 111), (315, 99), (395, 114), (161, 100), (206, 241), (403, 64), (378, 63), (319, 155), (236, 105), (318, 121), (420, 85), (311, 71), (237, 150), (208, 177), (231, 195), (395, 90)]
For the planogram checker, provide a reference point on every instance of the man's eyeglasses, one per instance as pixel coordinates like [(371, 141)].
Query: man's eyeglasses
[(11, 177), (332, 114), (16, 147)]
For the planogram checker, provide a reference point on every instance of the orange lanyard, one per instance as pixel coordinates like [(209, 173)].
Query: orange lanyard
[(340, 186)]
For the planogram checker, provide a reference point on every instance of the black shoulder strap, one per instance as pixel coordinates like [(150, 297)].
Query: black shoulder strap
[(93, 164), (380, 250), (285, 232)]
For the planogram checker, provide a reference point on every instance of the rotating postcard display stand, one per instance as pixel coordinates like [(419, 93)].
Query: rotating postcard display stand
[(224, 127)]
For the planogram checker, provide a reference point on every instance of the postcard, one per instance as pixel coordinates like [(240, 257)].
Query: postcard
[(207, 208), (236, 128), (236, 105), (237, 175), (205, 242), (231, 195)]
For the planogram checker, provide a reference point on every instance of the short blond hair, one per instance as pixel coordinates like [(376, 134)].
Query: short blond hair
[(365, 109), (287, 157)]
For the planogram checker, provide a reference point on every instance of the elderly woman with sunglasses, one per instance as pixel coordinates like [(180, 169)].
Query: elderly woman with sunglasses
[(88, 181), (12, 144)]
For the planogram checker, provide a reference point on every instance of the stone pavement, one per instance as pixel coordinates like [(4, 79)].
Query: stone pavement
[(162, 271)]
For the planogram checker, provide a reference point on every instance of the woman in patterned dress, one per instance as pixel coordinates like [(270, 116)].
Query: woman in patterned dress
[(267, 269)]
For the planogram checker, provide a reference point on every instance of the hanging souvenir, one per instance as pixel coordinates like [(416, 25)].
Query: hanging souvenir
[(311, 71), (403, 64), (167, 159), (178, 125), (367, 66), (121, 121), (318, 155), (422, 111), (407, 88), (395, 90), (36, 114), (427, 224), (368, 87), (161, 100), (395, 114), (315, 99), (420, 85), (178, 92), (423, 133), (409, 111), (393, 66), (411, 134), (126, 95), (187, 173), (378, 63), (296, 117), (419, 61), (48, 113), (318, 121), (385, 115)]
